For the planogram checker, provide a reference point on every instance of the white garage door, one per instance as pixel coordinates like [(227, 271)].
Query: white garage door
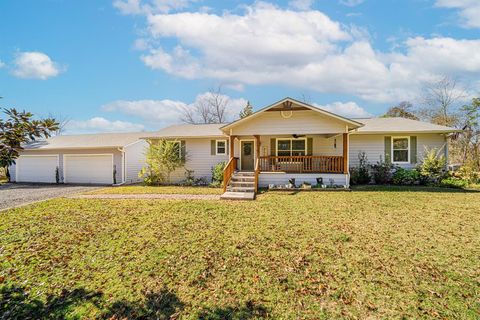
[(88, 168), (36, 168)]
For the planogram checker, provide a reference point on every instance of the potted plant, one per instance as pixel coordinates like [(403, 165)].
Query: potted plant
[(306, 185)]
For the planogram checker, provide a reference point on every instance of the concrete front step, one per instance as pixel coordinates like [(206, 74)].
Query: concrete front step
[(244, 174), (242, 183), (229, 195), (243, 178), (241, 189)]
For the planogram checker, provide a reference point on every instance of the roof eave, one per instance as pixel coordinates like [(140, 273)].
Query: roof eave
[(183, 137), (71, 148), (407, 131)]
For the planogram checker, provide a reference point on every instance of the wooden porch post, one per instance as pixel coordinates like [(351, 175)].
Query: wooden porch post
[(232, 146), (257, 146), (345, 153), (232, 149), (257, 161)]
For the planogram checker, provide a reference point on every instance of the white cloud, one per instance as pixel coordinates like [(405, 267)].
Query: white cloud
[(346, 109), (301, 4), (99, 124), (158, 112), (2, 64), (35, 65), (351, 3), (469, 11), (150, 7), (268, 45), (161, 113)]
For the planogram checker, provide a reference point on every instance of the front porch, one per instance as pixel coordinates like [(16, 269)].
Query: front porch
[(274, 159), (289, 139)]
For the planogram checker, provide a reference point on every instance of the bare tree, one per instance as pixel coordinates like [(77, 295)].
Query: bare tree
[(62, 121), (441, 100), (306, 98), (404, 110), (209, 108)]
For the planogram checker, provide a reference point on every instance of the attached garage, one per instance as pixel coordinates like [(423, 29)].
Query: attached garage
[(88, 168), (36, 168), (103, 158)]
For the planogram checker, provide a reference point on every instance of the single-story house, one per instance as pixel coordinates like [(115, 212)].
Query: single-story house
[(288, 139), (106, 158)]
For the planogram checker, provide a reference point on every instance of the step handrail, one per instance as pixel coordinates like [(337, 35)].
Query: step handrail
[(257, 171), (228, 171)]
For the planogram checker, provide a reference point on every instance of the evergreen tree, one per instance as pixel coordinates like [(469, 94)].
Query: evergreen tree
[(248, 110)]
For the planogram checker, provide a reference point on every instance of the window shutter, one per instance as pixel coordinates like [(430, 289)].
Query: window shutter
[(413, 149), (213, 146), (183, 149), (388, 149), (309, 146), (273, 147), (227, 146)]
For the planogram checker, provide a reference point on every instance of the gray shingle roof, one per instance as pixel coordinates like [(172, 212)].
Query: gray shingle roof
[(398, 125), (98, 140), (182, 131), (188, 131)]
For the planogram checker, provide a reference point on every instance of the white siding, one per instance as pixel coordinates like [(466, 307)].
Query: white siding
[(134, 160), (264, 179), (374, 146), (199, 159), (117, 158), (301, 122), (322, 146)]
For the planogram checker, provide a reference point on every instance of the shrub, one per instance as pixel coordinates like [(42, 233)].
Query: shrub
[(432, 168), (467, 173), (382, 172), (406, 176), (217, 173), (57, 175), (161, 159), (360, 174), (452, 182)]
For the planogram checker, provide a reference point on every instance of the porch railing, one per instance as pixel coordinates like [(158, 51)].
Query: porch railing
[(228, 172), (302, 164)]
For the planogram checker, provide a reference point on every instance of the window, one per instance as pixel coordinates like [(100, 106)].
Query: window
[(401, 149), (291, 147), (178, 147), (221, 147)]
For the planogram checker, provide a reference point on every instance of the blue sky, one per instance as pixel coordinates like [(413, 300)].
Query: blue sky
[(129, 65)]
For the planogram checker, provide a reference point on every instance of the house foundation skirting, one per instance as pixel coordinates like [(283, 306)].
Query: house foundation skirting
[(266, 178)]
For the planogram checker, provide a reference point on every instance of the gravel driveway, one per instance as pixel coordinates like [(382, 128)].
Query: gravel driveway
[(19, 194)]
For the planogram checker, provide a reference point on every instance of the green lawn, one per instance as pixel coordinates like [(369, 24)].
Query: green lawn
[(362, 254), (140, 189)]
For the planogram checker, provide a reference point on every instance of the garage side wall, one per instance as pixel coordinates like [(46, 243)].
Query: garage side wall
[(134, 160), (117, 159)]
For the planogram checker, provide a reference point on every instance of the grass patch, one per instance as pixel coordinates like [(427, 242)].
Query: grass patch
[(312, 255), (140, 189)]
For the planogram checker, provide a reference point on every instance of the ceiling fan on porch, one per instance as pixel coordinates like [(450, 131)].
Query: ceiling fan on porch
[(296, 136)]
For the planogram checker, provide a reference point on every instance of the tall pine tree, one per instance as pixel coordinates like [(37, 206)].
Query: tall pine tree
[(248, 110)]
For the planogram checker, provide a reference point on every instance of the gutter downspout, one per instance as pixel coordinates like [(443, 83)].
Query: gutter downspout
[(122, 150)]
